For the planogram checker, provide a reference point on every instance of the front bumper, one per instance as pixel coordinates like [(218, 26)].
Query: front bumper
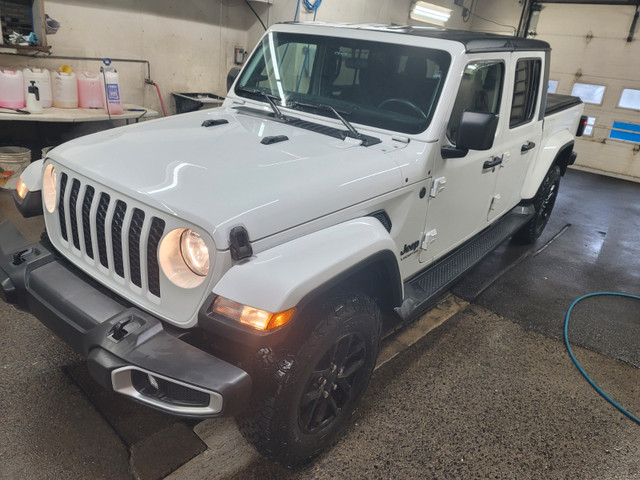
[(127, 350)]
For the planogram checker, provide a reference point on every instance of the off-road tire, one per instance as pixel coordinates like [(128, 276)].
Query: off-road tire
[(543, 202), (288, 424)]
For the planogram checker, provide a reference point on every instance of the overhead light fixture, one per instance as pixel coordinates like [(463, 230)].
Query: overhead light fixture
[(430, 13)]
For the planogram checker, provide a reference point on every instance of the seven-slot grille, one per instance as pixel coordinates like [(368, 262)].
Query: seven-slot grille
[(113, 233)]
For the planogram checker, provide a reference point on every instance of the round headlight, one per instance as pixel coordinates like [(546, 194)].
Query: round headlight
[(49, 188), (194, 252)]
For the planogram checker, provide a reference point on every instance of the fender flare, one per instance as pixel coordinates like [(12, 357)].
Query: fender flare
[(32, 176), (31, 204), (292, 274), (549, 154)]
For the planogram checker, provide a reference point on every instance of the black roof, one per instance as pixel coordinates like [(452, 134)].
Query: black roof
[(474, 42)]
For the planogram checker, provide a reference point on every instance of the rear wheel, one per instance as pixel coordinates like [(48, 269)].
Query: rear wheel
[(317, 388), (543, 202)]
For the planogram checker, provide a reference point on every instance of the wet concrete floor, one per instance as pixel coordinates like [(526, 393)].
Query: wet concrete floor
[(491, 393)]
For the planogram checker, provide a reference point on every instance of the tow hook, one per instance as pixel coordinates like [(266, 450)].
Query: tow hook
[(21, 255), (118, 331)]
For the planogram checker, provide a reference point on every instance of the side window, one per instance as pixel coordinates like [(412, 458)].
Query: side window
[(480, 91), (525, 91)]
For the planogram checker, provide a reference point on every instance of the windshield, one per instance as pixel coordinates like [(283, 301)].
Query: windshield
[(385, 85)]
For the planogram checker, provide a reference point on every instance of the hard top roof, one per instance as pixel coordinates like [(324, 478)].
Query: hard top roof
[(474, 42)]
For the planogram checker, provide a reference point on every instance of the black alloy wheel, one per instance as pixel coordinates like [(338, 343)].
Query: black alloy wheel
[(331, 383)]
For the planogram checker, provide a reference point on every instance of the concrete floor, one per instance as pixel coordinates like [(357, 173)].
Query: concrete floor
[(491, 393)]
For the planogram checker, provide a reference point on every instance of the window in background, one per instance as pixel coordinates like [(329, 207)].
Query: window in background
[(630, 98), (588, 130), (553, 86), (588, 93)]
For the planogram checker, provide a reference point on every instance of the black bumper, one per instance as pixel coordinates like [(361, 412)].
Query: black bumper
[(122, 344)]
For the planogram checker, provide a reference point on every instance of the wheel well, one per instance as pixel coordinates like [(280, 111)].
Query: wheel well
[(377, 277), (563, 158)]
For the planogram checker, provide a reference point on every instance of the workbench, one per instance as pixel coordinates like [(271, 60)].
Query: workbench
[(74, 115), (58, 125)]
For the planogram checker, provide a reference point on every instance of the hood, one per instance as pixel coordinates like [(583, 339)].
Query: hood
[(222, 176)]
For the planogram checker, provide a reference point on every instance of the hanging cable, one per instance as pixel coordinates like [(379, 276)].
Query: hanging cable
[(295, 15), (256, 14), (515, 30), (575, 361), (312, 5)]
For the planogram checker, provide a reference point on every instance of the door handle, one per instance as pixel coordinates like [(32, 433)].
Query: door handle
[(527, 146), (492, 163)]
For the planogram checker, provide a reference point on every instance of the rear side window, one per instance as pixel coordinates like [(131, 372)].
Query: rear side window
[(525, 91)]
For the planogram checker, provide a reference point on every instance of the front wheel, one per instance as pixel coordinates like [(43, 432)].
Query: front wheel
[(317, 388), (543, 202)]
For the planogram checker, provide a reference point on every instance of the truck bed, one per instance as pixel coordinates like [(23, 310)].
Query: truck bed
[(557, 102)]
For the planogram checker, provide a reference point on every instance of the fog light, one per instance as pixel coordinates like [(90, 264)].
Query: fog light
[(153, 382)]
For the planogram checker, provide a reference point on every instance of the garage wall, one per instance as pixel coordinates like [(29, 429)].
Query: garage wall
[(189, 44), (592, 48), (495, 16), (359, 11)]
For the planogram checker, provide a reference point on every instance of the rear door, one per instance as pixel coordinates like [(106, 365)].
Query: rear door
[(521, 137)]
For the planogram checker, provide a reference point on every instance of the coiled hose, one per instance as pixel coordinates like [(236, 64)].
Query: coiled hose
[(577, 364)]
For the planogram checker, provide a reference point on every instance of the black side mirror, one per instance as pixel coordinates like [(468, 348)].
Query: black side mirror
[(477, 131), (231, 77)]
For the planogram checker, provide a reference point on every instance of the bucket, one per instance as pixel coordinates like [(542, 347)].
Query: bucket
[(43, 81), (11, 89), (65, 89), (90, 93), (45, 150), (13, 160)]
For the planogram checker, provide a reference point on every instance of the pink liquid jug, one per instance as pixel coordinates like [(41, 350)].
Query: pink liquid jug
[(11, 89), (90, 93)]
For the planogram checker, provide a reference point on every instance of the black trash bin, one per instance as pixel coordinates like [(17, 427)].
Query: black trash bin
[(190, 102)]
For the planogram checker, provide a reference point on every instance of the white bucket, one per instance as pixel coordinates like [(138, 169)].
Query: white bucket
[(13, 160)]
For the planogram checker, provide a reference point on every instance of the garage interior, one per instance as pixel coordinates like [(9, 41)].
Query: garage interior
[(490, 391)]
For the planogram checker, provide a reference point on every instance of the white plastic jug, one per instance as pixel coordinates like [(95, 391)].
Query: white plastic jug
[(11, 89), (111, 85), (43, 81), (65, 89), (34, 105), (90, 92)]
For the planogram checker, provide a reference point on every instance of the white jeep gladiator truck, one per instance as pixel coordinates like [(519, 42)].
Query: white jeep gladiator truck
[(246, 260)]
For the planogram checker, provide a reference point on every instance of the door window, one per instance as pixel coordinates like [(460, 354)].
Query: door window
[(480, 91), (525, 91)]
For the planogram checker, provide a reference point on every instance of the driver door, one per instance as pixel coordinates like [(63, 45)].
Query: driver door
[(462, 188)]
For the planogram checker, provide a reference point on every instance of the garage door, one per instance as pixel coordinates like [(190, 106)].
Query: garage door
[(592, 58)]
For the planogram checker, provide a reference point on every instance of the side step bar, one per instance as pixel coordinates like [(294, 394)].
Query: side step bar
[(430, 284)]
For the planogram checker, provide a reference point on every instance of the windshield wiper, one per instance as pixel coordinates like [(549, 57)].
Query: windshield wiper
[(320, 106), (268, 97)]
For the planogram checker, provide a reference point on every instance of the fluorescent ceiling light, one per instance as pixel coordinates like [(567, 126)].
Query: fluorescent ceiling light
[(430, 13)]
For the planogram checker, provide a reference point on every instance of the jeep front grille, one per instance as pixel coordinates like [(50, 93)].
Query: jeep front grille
[(92, 220)]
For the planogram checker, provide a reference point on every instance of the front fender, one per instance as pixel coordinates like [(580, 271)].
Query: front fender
[(548, 154), (31, 204), (281, 277), (32, 176)]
